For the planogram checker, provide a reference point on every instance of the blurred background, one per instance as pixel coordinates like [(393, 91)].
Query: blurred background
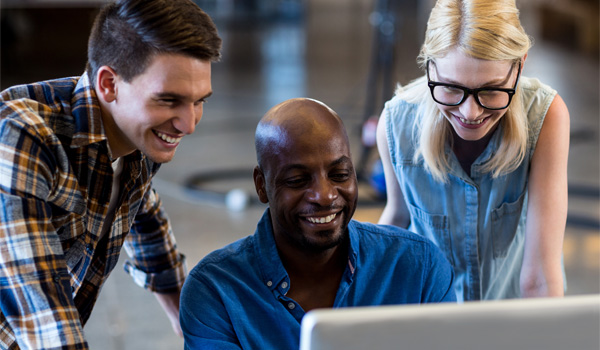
[(348, 54)]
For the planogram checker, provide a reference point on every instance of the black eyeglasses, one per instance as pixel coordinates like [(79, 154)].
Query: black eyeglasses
[(488, 98)]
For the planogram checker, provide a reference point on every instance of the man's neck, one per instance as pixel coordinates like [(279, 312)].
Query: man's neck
[(315, 277), (112, 132)]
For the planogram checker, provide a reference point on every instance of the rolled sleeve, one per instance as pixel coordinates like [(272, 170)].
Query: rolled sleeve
[(166, 281), (155, 263)]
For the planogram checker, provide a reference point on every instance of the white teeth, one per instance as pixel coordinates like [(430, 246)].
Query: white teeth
[(167, 138), (321, 220), (472, 122)]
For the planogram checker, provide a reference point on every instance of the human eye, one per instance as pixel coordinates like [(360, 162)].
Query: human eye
[(295, 181), (448, 94), (451, 90), (491, 93), (493, 98), (340, 175), (167, 101), (200, 102)]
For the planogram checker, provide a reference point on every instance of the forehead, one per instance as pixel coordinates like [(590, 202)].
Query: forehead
[(319, 146), (456, 67), (175, 73)]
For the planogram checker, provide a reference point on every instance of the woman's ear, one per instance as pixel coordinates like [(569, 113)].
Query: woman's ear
[(106, 84), (523, 62), (259, 184)]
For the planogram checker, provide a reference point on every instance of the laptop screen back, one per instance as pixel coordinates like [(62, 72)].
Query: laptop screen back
[(568, 323)]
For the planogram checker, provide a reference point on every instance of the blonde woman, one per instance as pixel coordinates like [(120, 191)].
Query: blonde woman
[(475, 154)]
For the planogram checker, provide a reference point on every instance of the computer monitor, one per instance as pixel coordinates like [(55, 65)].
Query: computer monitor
[(570, 323)]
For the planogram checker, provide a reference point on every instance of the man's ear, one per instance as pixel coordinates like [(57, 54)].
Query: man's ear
[(106, 84), (259, 184)]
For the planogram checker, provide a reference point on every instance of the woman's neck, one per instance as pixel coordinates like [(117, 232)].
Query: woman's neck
[(467, 151)]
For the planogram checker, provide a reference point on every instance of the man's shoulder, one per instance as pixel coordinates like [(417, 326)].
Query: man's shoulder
[(227, 258), (396, 239), (44, 92), (389, 232), (39, 105)]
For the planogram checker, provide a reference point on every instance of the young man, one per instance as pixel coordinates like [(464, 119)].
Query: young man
[(77, 156), (306, 252)]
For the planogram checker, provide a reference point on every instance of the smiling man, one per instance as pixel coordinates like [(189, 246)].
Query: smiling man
[(77, 156), (307, 252)]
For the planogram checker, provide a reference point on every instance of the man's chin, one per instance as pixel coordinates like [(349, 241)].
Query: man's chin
[(160, 158), (325, 241)]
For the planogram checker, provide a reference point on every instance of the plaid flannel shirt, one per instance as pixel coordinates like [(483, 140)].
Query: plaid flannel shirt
[(55, 186)]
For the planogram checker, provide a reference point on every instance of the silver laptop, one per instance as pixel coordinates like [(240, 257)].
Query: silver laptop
[(570, 323)]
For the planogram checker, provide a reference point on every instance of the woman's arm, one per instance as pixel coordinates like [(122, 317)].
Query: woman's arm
[(395, 211), (541, 273)]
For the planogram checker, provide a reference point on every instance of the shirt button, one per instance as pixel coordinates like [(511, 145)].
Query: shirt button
[(57, 278), (291, 306), (269, 284), (284, 285)]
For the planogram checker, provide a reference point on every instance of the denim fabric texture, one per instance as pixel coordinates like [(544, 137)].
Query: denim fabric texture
[(235, 298), (478, 221)]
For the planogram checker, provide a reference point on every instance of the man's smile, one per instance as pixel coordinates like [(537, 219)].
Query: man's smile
[(321, 219), (167, 138)]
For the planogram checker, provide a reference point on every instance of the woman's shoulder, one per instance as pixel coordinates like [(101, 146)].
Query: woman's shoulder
[(535, 90), (409, 96), (537, 98), (400, 113)]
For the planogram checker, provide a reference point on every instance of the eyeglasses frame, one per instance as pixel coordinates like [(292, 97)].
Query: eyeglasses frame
[(474, 92)]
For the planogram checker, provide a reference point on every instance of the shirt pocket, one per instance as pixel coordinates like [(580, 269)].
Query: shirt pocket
[(505, 221), (435, 227)]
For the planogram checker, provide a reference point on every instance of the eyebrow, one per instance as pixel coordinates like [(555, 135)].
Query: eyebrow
[(174, 95), (489, 83), (342, 159)]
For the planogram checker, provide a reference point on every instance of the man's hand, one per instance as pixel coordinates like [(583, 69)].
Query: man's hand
[(170, 303)]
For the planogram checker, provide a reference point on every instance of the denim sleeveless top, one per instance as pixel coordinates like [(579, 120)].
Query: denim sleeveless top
[(477, 221)]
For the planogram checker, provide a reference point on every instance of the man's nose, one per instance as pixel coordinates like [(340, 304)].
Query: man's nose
[(322, 192), (187, 119)]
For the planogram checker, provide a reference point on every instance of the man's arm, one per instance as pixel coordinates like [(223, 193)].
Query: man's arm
[(35, 290), (156, 263), (170, 303), (205, 322), (439, 281)]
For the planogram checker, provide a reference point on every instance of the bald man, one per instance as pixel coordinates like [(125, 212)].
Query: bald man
[(306, 252)]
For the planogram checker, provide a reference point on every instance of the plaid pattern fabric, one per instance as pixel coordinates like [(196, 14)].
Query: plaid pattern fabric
[(55, 186)]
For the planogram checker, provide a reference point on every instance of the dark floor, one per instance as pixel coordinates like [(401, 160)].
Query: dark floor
[(324, 53)]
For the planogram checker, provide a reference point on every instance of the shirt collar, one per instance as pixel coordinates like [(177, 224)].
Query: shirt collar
[(86, 111), (273, 272), (353, 247), (274, 275), (491, 148), (484, 157)]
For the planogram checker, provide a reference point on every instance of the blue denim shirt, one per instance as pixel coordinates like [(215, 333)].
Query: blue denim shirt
[(478, 221), (235, 298)]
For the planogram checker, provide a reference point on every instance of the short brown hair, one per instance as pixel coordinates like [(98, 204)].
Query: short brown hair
[(128, 33)]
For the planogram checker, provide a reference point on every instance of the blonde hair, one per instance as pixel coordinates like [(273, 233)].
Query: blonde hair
[(483, 29)]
